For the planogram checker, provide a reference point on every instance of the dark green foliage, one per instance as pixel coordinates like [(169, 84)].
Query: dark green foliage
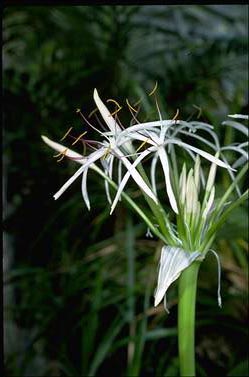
[(81, 283)]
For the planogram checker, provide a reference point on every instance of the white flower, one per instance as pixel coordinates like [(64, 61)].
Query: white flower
[(159, 138), (111, 147)]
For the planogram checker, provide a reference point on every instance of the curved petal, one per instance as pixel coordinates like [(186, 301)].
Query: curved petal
[(165, 164), (110, 121), (126, 177), (84, 188), (136, 176), (91, 158), (60, 148), (172, 262)]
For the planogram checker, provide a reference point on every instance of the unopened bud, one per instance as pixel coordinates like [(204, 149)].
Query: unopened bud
[(209, 203), (182, 184), (212, 173), (197, 172), (191, 194)]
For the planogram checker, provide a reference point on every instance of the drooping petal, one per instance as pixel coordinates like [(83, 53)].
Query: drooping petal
[(119, 172), (202, 153), (153, 173), (90, 160), (136, 176), (108, 166), (239, 162), (165, 165), (84, 188), (126, 177), (172, 262), (236, 125)]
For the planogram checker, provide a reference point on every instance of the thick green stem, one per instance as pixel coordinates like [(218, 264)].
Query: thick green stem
[(186, 319)]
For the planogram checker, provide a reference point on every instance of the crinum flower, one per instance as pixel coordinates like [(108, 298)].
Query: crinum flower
[(108, 146), (191, 197)]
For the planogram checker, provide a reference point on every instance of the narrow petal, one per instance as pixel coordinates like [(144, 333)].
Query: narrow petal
[(209, 203), (211, 175), (182, 184), (110, 121), (237, 125), (91, 158), (172, 262), (165, 164), (119, 172), (84, 188), (107, 190), (239, 116), (149, 125), (136, 176), (126, 177), (202, 153), (60, 148), (153, 173)]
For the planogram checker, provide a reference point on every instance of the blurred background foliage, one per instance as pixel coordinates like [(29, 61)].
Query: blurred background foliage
[(78, 285)]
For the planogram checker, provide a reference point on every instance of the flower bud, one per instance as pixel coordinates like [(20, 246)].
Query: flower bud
[(191, 194), (197, 172), (182, 184), (209, 203), (211, 176)]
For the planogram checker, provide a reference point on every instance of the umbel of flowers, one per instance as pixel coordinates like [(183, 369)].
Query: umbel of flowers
[(190, 195)]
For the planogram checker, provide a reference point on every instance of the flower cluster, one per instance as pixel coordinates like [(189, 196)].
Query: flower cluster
[(190, 195)]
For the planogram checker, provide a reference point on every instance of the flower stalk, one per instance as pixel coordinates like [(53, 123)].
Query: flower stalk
[(186, 319)]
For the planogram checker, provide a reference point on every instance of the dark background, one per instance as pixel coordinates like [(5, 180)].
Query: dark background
[(78, 285)]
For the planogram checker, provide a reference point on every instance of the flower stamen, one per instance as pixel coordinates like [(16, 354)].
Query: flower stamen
[(153, 90), (130, 107), (93, 112), (141, 146), (176, 114), (62, 154), (67, 133), (116, 103), (78, 138), (107, 152)]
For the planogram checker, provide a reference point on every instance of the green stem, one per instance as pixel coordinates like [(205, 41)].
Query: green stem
[(186, 319)]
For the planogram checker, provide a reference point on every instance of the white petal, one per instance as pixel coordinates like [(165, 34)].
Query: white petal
[(164, 160), (209, 203), (119, 171), (110, 121), (136, 176), (91, 158), (239, 116), (126, 177), (153, 173), (202, 153), (149, 125), (182, 184), (211, 175), (108, 166), (172, 262), (84, 188), (237, 125), (61, 148)]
